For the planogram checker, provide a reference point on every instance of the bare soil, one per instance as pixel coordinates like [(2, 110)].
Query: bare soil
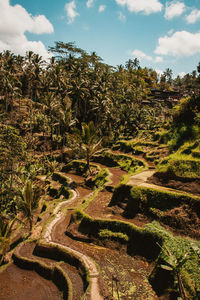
[(21, 284), (186, 185)]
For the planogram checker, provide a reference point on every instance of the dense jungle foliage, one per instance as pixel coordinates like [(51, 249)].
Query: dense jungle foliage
[(44, 105)]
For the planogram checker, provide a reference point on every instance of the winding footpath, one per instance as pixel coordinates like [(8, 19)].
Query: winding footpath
[(94, 293)]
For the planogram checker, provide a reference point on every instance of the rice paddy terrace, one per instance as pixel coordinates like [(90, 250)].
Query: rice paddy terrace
[(115, 235)]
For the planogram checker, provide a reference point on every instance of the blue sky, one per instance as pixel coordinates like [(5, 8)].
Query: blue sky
[(161, 34)]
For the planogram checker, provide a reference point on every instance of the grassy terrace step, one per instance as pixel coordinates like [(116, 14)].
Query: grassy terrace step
[(58, 191), (125, 162), (144, 198), (134, 146), (179, 211), (139, 241), (180, 166), (59, 186), (150, 242), (54, 273), (58, 253)]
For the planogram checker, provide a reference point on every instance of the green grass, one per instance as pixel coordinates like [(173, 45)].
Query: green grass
[(180, 165), (125, 162), (135, 146), (117, 236)]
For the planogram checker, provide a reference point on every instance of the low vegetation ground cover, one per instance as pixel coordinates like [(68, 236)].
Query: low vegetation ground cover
[(125, 162)]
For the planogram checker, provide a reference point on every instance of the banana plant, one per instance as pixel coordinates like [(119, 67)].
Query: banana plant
[(175, 265), (6, 226)]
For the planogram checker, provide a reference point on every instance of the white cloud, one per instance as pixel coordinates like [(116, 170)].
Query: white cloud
[(139, 54), (182, 74), (174, 9), (181, 43), (145, 6), (158, 59), (193, 16), (122, 17), (14, 22), (70, 9), (41, 25), (89, 3), (102, 8), (159, 72), (170, 31)]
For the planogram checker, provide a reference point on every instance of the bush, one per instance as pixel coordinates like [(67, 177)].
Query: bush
[(99, 180), (186, 111)]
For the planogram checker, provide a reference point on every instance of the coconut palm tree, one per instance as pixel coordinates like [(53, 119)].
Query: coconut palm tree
[(89, 141), (28, 201)]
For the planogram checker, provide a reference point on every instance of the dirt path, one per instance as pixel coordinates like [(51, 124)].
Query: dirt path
[(141, 179), (48, 237)]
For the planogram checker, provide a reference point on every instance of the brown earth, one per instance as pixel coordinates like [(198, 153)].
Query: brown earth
[(19, 284), (186, 185), (119, 272)]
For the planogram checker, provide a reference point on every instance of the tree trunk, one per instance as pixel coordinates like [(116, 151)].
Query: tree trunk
[(181, 287), (88, 162)]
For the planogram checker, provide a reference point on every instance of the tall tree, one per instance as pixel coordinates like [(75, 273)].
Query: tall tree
[(89, 141)]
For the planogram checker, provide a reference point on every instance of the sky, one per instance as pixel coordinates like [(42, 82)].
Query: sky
[(161, 34)]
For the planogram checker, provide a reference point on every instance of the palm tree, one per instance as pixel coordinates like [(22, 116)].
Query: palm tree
[(136, 63), (132, 64), (89, 141), (168, 75), (28, 201)]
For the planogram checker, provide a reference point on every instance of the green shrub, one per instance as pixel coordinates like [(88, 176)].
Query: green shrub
[(172, 250), (186, 111), (99, 180)]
